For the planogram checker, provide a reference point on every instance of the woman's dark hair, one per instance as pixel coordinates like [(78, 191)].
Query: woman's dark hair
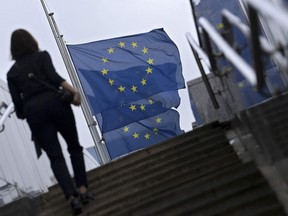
[(22, 44)]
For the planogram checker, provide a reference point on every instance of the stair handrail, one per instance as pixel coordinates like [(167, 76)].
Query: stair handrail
[(200, 54), (265, 46), (259, 11), (6, 114), (246, 31), (20, 192), (264, 8), (230, 54)]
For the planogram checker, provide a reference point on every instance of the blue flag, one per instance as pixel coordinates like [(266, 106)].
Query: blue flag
[(143, 133), (131, 83), (119, 71), (135, 111)]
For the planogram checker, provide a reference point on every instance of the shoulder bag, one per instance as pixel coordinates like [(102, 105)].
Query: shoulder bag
[(64, 95)]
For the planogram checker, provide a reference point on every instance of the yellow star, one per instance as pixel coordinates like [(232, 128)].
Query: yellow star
[(155, 130), (104, 72), (121, 44), (158, 120), (145, 50), (105, 60), (150, 61), (132, 107), (149, 70), (134, 88), (136, 135), (110, 50), (147, 136), (126, 129), (134, 44), (150, 101), (143, 82), (142, 107), (241, 84), (111, 82), (220, 26), (121, 89)]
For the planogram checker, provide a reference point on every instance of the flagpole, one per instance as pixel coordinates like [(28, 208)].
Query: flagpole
[(92, 124), (195, 22)]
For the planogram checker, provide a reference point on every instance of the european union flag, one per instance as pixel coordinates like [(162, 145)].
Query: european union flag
[(135, 111), (143, 133), (131, 83), (123, 70)]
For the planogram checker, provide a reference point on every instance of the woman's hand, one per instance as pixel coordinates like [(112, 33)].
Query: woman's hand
[(77, 99)]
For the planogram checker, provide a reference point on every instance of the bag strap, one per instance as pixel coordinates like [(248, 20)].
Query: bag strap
[(32, 76)]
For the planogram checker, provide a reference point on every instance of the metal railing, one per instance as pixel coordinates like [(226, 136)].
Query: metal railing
[(5, 115), (210, 34), (272, 17), (221, 45), (14, 183)]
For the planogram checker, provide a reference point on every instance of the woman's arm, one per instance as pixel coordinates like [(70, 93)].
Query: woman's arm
[(77, 98), (16, 98), (55, 78)]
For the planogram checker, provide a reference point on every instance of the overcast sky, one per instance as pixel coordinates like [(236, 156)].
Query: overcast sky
[(91, 20)]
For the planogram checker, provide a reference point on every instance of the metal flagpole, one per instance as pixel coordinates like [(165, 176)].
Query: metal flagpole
[(100, 147), (195, 22)]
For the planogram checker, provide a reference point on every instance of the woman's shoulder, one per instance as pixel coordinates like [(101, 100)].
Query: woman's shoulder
[(42, 56), (26, 61), (43, 53), (12, 70)]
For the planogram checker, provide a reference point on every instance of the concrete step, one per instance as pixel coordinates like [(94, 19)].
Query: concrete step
[(112, 187), (194, 195), (268, 122), (197, 174), (200, 137), (224, 199), (178, 169), (211, 186), (114, 201), (167, 161), (272, 103), (192, 140)]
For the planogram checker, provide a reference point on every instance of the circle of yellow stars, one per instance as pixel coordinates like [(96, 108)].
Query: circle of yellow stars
[(143, 81), (133, 88)]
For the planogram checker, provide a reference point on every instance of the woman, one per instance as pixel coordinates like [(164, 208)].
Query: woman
[(46, 114)]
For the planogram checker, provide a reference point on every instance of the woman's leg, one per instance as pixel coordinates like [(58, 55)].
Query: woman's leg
[(65, 122), (45, 133), (46, 136)]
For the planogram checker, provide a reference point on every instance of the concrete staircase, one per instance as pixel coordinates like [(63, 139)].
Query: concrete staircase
[(268, 122), (197, 173)]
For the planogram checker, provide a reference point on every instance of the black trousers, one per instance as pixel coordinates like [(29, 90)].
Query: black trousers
[(45, 121)]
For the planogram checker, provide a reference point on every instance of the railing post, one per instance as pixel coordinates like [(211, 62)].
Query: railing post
[(256, 49), (205, 80)]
